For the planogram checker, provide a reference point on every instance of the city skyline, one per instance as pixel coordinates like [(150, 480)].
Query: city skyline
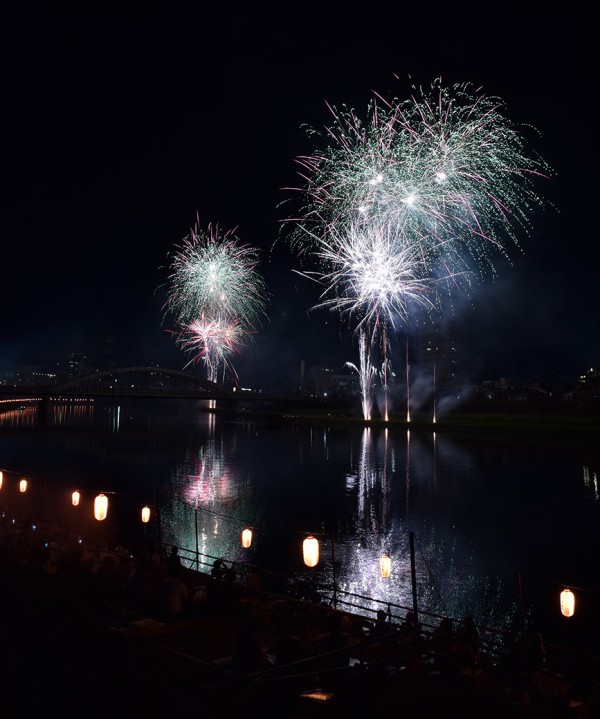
[(124, 132)]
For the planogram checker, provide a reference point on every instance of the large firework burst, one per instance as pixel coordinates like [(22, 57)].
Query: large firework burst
[(212, 274), (215, 295), (422, 191)]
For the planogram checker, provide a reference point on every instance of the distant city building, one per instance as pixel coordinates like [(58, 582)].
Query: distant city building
[(325, 381), (588, 385), (437, 356), (77, 365), (26, 374)]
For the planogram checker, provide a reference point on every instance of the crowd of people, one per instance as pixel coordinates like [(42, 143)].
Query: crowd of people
[(122, 586)]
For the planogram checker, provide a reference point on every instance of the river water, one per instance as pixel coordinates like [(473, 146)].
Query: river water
[(499, 526)]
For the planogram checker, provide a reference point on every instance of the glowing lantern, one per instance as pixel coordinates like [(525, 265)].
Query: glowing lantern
[(23, 485), (1, 476), (385, 565), (145, 514), (567, 603), (310, 549), (75, 497), (101, 507), (246, 538)]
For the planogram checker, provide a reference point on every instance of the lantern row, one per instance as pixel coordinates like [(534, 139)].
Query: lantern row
[(310, 545)]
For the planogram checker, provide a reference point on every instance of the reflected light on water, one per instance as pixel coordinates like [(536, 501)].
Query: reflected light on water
[(590, 482), (209, 504)]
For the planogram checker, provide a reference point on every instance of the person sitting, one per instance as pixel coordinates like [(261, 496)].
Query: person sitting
[(286, 648), (380, 627), (173, 561), (382, 641), (410, 636), (468, 643), (248, 654), (174, 596), (443, 640), (333, 646), (218, 569)]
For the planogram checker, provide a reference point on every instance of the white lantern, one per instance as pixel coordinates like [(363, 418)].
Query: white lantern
[(23, 485), (567, 603), (310, 549), (75, 497), (1, 476), (101, 507), (145, 514), (385, 565), (246, 538)]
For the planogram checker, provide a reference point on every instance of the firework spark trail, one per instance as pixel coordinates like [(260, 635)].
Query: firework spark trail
[(216, 296), (212, 342), (443, 176), (366, 373), (373, 278)]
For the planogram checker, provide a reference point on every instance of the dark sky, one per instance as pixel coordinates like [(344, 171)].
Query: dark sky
[(121, 126)]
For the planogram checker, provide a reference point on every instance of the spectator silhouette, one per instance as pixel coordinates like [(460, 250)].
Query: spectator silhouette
[(410, 636), (174, 596), (443, 638), (286, 648), (333, 646), (252, 582), (248, 654), (383, 639), (380, 627), (218, 569), (174, 562), (468, 643), (133, 589)]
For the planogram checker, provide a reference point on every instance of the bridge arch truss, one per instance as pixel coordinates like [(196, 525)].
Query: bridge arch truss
[(143, 381)]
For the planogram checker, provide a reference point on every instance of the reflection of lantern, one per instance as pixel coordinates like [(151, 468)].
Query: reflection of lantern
[(101, 507), (246, 538), (310, 549), (145, 514), (567, 602), (75, 498), (385, 564), (23, 485)]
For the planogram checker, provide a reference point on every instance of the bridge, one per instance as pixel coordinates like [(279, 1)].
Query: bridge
[(127, 382)]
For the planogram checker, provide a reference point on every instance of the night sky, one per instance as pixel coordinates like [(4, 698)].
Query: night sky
[(122, 127)]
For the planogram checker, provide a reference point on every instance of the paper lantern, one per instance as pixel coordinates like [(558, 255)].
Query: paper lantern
[(385, 565), (101, 507), (75, 497), (1, 477), (145, 514), (567, 603), (23, 485), (310, 549), (246, 538)]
